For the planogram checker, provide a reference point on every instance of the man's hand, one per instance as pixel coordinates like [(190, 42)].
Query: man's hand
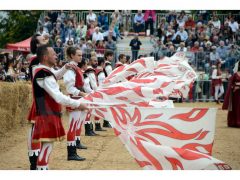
[(69, 66), (82, 107), (82, 94)]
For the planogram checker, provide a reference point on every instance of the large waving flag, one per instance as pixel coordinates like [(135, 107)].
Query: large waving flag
[(155, 133)]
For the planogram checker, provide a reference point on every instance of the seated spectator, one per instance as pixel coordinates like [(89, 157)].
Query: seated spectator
[(110, 33), (58, 48), (195, 48), (97, 36), (233, 25), (81, 30), (110, 44), (70, 32), (190, 55), (103, 21), (138, 22), (177, 40), (47, 25), (183, 34), (171, 51), (189, 24), (100, 48), (90, 32), (216, 22), (232, 57), (214, 56), (182, 47), (91, 18), (200, 59)]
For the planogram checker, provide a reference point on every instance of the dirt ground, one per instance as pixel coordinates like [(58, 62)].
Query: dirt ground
[(106, 152)]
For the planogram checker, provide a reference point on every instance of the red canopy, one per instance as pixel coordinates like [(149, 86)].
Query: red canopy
[(20, 46)]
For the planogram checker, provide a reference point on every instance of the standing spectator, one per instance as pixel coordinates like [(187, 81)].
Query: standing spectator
[(103, 21), (222, 50), (232, 57), (97, 36), (47, 25), (91, 18), (183, 34), (117, 18), (217, 84), (90, 32), (135, 46), (126, 18), (149, 18), (216, 22), (214, 56), (200, 59), (138, 22)]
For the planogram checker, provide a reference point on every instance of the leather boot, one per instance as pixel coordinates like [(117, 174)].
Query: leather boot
[(106, 124), (98, 127), (72, 154), (91, 128), (79, 145), (88, 131), (33, 162)]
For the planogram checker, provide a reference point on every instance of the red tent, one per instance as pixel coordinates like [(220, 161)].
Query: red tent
[(20, 46)]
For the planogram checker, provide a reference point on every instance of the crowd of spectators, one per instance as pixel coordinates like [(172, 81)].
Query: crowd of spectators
[(204, 36)]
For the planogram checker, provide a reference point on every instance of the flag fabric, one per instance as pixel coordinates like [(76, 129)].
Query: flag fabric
[(133, 98)]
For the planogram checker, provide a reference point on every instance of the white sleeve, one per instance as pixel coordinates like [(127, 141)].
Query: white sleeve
[(59, 73), (50, 85), (108, 69), (101, 78), (86, 86), (93, 80), (69, 79), (214, 74)]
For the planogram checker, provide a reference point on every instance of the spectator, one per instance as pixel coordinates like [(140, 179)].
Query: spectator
[(81, 30), (91, 18), (200, 59), (97, 36), (59, 49), (182, 47), (10, 72), (195, 48), (177, 40), (149, 18), (190, 55), (90, 31), (126, 18), (138, 22), (47, 25), (110, 33), (171, 16), (216, 22), (116, 18), (222, 50), (183, 34), (100, 48), (189, 24), (171, 51), (232, 57), (233, 25), (214, 56), (70, 32), (135, 47), (103, 21), (111, 45)]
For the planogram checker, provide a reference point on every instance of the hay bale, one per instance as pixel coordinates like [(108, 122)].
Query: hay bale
[(15, 101)]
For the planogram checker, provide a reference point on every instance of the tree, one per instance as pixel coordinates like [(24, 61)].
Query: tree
[(16, 26)]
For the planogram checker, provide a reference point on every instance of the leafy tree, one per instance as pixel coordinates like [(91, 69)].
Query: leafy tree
[(16, 26)]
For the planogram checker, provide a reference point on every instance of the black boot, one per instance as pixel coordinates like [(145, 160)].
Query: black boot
[(106, 124), (88, 131), (33, 162), (98, 127), (79, 145), (91, 127), (72, 154)]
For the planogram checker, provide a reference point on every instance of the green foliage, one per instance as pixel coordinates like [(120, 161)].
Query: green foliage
[(17, 26)]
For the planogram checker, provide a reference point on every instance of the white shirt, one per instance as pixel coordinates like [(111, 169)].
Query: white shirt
[(92, 79), (87, 87), (91, 17), (234, 26), (108, 69), (183, 50), (216, 24), (101, 77), (69, 79), (97, 36), (214, 75), (50, 85)]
